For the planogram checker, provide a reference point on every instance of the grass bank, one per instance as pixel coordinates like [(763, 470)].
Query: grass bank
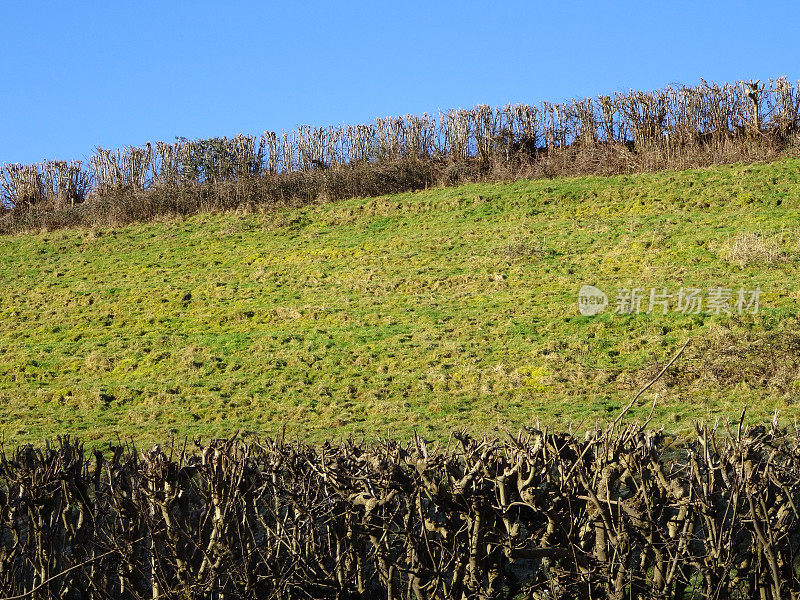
[(429, 310)]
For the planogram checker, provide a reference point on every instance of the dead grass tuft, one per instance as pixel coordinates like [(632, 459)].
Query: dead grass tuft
[(756, 248)]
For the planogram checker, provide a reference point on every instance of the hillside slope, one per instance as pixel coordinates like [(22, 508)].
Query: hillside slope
[(430, 310)]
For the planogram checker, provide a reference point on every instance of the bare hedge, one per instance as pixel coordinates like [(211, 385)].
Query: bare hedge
[(624, 512), (674, 127)]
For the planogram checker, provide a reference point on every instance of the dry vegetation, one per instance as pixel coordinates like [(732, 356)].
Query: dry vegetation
[(625, 132), (753, 248), (619, 513)]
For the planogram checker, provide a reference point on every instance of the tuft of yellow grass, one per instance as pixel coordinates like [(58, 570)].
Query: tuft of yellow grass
[(756, 248)]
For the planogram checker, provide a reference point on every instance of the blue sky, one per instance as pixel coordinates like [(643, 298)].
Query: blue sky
[(74, 75)]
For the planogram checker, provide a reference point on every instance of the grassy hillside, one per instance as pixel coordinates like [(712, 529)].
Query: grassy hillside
[(428, 311)]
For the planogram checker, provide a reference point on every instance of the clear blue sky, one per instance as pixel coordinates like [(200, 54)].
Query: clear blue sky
[(75, 75)]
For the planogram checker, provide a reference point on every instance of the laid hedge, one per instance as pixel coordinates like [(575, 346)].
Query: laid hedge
[(624, 512)]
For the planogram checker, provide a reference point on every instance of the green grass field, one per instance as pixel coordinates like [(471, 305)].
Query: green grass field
[(434, 310)]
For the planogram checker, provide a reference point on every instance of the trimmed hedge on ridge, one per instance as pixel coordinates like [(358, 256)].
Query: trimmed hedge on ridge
[(675, 127)]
